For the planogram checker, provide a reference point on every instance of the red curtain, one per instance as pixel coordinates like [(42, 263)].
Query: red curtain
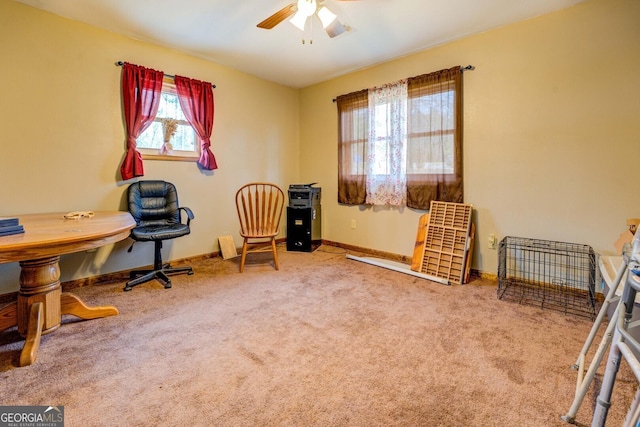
[(141, 90), (196, 100)]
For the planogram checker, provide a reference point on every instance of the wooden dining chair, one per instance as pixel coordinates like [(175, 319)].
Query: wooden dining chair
[(259, 206)]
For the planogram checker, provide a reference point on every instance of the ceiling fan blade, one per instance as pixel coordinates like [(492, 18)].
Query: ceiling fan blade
[(278, 17)]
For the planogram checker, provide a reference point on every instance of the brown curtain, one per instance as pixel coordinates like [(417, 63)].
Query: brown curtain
[(353, 131), (434, 140)]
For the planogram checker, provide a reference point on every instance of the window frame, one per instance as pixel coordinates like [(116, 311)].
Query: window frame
[(409, 136), (168, 86)]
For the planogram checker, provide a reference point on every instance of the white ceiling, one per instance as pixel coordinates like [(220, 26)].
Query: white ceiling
[(225, 32)]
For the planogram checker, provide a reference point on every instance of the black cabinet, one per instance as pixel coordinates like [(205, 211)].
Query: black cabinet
[(303, 218), (303, 228)]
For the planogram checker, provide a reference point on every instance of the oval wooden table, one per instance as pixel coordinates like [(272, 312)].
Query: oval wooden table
[(41, 302)]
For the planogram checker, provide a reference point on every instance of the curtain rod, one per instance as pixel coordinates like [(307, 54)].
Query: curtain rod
[(171, 76), (462, 69)]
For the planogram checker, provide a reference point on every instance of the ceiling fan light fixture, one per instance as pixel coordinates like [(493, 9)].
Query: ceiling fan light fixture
[(326, 16), (299, 20), (307, 7), (335, 28)]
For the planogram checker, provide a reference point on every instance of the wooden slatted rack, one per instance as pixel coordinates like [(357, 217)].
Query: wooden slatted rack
[(446, 242)]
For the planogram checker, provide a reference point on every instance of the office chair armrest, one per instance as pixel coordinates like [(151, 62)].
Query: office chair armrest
[(189, 213)]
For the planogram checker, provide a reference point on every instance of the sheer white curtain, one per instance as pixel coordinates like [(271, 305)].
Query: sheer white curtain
[(387, 145)]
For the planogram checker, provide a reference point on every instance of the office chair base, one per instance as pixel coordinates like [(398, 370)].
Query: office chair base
[(142, 276)]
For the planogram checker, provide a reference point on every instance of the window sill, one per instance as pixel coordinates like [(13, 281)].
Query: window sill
[(169, 157)]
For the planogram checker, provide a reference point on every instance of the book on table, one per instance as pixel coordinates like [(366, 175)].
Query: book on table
[(9, 226), (8, 221)]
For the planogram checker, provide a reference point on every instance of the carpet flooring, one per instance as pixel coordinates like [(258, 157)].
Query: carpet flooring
[(324, 341)]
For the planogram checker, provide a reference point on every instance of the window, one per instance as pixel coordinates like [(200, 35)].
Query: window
[(170, 136), (401, 144), (430, 141), (142, 91)]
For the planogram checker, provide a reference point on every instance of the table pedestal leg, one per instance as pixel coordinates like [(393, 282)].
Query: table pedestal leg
[(38, 305), (40, 282), (41, 304), (71, 304), (8, 316), (34, 332), (9, 319)]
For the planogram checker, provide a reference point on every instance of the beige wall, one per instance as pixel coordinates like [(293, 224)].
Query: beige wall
[(63, 135), (551, 132)]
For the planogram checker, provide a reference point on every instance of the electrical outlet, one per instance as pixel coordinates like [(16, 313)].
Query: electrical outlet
[(353, 224), (492, 241)]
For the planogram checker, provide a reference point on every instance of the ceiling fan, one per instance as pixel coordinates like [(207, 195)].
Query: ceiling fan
[(302, 10)]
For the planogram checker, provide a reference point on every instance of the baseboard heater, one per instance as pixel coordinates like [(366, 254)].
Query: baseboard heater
[(397, 266)]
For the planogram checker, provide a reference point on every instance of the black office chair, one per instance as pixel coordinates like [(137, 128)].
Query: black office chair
[(154, 207)]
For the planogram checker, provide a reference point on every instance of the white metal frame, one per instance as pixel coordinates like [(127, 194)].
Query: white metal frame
[(584, 380), (622, 345)]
